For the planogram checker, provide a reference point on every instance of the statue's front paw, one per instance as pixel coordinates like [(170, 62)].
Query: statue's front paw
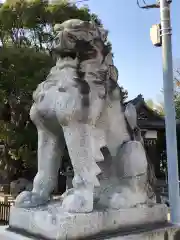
[(118, 201), (127, 199), (29, 200), (78, 202)]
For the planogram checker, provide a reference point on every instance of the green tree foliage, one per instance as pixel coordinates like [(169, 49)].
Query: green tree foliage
[(21, 70), (177, 93), (157, 107), (124, 94), (30, 23), (150, 103), (177, 105), (26, 30)]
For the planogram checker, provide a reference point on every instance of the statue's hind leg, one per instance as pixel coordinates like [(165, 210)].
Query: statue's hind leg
[(132, 171), (50, 151)]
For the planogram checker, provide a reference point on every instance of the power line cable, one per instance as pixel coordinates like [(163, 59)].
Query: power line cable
[(144, 5), (80, 1)]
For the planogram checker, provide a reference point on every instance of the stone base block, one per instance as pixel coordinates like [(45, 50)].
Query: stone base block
[(165, 232), (5, 234), (51, 222), (154, 232)]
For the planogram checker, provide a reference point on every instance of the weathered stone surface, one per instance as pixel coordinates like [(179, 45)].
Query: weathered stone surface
[(20, 185), (53, 222), (5, 234), (154, 232), (162, 233), (79, 106)]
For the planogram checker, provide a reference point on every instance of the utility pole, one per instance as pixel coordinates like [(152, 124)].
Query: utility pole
[(170, 115), (163, 39)]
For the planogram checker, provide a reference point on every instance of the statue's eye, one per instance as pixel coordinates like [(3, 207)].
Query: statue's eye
[(92, 53), (72, 37), (57, 41)]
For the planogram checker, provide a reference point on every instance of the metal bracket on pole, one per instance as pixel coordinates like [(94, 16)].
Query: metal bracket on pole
[(163, 33), (146, 6)]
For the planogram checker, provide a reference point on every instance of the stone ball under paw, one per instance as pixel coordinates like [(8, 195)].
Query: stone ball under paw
[(117, 201), (77, 203), (29, 199)]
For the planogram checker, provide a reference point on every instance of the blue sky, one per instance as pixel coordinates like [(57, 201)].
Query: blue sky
[(138, 61)]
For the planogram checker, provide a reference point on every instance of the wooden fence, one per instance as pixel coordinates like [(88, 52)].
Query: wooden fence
[(4, 213)]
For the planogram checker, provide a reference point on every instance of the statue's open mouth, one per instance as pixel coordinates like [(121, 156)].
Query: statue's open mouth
[(83, 50), (65, 53)]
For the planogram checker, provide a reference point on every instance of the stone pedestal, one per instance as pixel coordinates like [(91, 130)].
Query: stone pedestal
[(51, 222), (163, 232)]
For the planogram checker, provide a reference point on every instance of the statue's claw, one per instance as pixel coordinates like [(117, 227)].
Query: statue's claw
[(29, 200), (117, 202), (81, 201), (127, 199)]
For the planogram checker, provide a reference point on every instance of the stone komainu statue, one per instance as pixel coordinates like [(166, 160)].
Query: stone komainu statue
[(78, 106)]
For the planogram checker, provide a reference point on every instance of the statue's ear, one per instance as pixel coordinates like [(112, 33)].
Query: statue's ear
[(58, 27), (87, 24), (131, 115), (113, 72), (103, 34), (109, 59)]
